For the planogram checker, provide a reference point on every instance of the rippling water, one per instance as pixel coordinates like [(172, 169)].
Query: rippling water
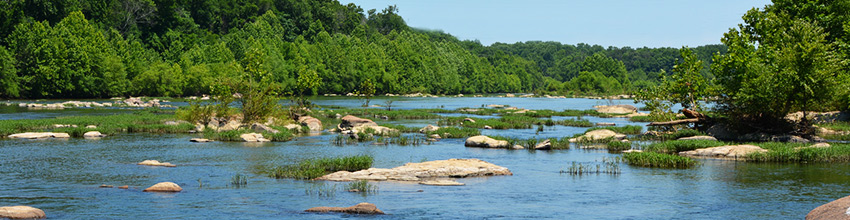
[(62, 178)]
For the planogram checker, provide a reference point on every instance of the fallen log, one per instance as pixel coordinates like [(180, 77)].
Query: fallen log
[(675, 122)]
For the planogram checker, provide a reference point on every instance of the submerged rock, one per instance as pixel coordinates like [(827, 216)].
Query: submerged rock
[(21, 212), (486, 142), (164, 187), (729, 152), (200, 140), (39, 135), (156, 163), (455, 168), (600, 134), (837, 209), (350, 121), (429, 128), (362, 208), (442, 182)]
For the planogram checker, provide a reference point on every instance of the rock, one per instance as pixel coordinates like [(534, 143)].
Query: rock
[(156, 163), (486, 142), (518, 147), (175, 122), (837, 209), (199, 127), (731, 152), (200, 140), (443, 182), (253, 137), (469, 120), (636, 114), (106, 186), (262, 128), (429, 128), (124, 187), (818, 145), (164, 187), (337, 115), (487, 127), (789, 139), (435, 136), (350, 121), (93, 134), (545, 145), (700, 137), (600, 134), (496, 106), (313, 123), (616, 109), (454, 168), (39, 135), (21, 212), (605, 124), (632, 151), (91, 126), (362, 208), (819, 117), (510, 95), (230, 125)]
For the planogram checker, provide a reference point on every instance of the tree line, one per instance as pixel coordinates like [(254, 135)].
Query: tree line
[(96, 49)]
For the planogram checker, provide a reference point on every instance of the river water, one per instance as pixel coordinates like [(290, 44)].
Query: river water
[(62, 177)]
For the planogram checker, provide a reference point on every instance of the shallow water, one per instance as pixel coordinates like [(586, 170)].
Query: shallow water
[(62, 178)]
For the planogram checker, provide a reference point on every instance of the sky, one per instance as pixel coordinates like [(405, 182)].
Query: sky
[(650, 23)]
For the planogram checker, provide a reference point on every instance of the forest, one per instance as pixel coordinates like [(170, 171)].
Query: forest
[(177, 48)]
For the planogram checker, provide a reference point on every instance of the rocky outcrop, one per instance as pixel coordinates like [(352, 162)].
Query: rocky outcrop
[(39, 135), (700, 137), (615, 109), (156, 163), (350, 121), (838, 209), (224, 124), (596, 135), (454, 168), (313, 123), (545, 145), (200, 140), (362, 208), (21, 212), (164, 187), (729, 152), (93, 134), (257, 127), (819, 117), (293, 127), (486, 142), (429, 128), (253, 137)]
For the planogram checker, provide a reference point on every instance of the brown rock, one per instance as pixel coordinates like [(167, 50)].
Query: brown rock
[(486, 142), (21, 212), (600, 134), (313, 123), (164, 187), (455, 168), (615, 109), (155, 163), (257, 127), (124, 187), (362, 208), (729, 152), (253, 137), (350, 121), (833, 210), (106, 186)]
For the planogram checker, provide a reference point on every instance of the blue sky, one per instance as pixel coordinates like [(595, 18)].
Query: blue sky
[(652, 23)]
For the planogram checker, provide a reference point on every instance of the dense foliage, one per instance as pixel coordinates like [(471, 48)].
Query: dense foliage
[(88, 49)]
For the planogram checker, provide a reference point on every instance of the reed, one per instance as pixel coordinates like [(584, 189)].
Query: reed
[(239, 180), (800, 153), (578, 169), (314, 168), (658, 160), (455, 132), (362, 187), (681, 145)]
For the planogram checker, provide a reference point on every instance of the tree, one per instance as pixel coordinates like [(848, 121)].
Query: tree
[(367, 89), (9, 79)]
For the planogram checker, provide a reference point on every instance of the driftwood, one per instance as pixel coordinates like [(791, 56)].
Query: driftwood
[(675, 122), (692, 114)]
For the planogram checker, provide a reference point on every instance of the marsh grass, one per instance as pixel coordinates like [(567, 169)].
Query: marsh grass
[(391, 115), (641, 119), (401, 128), (681, 145), (239, 180), (314, 168), (836, 126), (322, 190), (142, 121), (800, 153), (557, 143), (402, 141), (362, 186), (673, 136), (579, 169), (618, 145), (628, 129), (658, 160), (455, 132)]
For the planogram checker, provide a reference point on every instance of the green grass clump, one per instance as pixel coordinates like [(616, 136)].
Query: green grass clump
[(619, 145), (455, 132), (362, 186), (681, 145), (401, 128), (800, 153), (141, 121), (642, 119), (673, 136), (239, 180), (572, 123), (557, 143), (504, 122), (836, 126), (659, 160), (391, 115), (314, 168)]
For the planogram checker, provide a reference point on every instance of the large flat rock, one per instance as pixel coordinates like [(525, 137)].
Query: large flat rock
[(362, 208), (729, 152), (600, 134), (455, 168), (485, 142), (20, 212), (837, 209), (39, 135)]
